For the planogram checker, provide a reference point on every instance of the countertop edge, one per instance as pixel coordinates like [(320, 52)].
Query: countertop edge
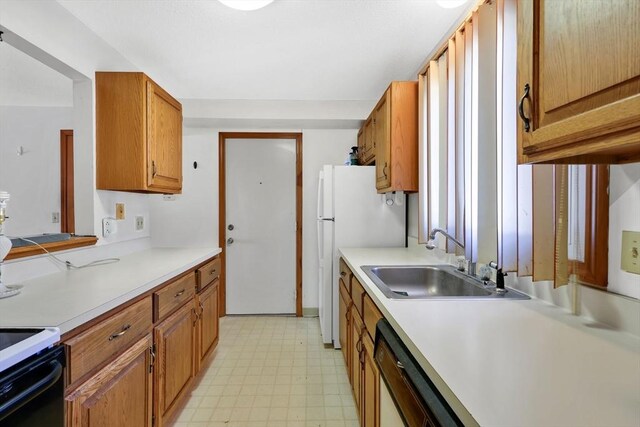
[(456, 405), (88, 316)]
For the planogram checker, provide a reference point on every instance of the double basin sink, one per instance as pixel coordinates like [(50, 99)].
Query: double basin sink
[(433, 282)]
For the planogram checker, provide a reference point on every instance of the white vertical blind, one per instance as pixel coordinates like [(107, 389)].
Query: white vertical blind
[(506, 136)]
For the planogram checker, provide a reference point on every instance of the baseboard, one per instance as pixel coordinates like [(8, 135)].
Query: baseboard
[(310, 312)]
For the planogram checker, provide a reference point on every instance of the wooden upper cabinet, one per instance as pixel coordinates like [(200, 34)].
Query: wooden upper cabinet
[(138, 135), (361, 146), (369, 142), (396, 138), (580, 62), (381, 121)]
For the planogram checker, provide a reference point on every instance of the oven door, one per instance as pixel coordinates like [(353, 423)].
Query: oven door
[(32, 392)]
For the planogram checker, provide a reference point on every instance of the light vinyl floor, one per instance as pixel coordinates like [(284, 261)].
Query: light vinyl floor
[(268, 372)]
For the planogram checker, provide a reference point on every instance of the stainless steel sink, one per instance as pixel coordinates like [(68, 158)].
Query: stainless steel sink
[(432, 282)]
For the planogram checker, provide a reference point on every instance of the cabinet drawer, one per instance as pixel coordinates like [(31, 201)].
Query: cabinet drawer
[(208, 273), (174, 295), (357, 292), (345, 274), (108, 338), (371, 316)]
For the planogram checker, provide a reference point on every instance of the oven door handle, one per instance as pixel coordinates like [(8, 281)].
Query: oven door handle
[(32, 391)]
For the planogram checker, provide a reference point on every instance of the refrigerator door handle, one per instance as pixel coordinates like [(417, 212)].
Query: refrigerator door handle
[(320, 189)]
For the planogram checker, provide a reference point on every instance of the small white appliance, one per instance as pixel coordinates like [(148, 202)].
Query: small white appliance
[(350, 214)]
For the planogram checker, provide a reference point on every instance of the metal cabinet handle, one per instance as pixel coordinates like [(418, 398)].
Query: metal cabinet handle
[(124, 330), (152, 353), (230, 241), (154, 170), (399, 365), (212, 272), (525, 119), (342, 273), (384, 169), (201, 309), (195, 313), (179, 293)]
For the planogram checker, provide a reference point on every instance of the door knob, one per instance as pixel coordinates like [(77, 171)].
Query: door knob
[(229, 241), (230, 227)]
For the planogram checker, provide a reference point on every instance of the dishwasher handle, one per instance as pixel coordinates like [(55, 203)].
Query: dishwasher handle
[(33, 391)]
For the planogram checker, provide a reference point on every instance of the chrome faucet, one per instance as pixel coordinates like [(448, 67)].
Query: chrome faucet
[(468, 266), (431, 245)]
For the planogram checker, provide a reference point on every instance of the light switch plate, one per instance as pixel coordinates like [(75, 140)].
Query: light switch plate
[(119, 211), (631, 252)]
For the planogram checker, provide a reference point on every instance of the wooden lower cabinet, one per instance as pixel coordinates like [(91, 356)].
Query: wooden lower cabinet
[(207, 325), (356, 355), (175, 340), (370, 401), (120, 394), (344, 307)]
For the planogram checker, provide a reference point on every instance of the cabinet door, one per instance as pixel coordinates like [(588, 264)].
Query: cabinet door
[(118, 395), (369, 142), (370, 406), (207, 322), (580, 61), (356, 354), (344, 304), (175, 347), (382, 120), (164, 139), (361, 146)]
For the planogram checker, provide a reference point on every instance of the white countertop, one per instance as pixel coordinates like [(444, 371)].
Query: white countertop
[(68, 299), (513, 363)]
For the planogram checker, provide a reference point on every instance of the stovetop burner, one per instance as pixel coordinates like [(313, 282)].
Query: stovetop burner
[(9, 337)]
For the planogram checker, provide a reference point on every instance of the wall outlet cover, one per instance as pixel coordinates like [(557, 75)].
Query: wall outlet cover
[(169, 197), (630, 252), (119, 211), (109, 227), (55, 217), (139, 223)]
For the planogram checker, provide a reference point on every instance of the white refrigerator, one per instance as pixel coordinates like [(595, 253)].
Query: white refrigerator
[(350, 214)]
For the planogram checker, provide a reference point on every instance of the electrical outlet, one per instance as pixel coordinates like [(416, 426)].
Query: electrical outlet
[(55, 217), (119, 211), (109, 227), (630, 251), (169, 197), (139, 223)]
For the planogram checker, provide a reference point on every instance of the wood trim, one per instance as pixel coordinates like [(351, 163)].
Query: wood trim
[(594, 271), (67, 205), (222, 138), (74, 242)]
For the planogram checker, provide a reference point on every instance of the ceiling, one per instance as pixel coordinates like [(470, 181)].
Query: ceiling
[(290, 50)]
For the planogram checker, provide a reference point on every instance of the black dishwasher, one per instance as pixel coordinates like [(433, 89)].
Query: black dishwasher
[(32, 392), (418, 401)]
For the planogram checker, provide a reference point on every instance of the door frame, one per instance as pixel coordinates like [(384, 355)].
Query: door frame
[(67, 205), (222, 208)]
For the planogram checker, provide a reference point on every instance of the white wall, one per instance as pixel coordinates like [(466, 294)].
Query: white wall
[(32, 179), (192, 219), (624, 214), (77, 52)]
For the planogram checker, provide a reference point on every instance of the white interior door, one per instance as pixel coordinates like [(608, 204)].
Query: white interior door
[(261, 221)]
